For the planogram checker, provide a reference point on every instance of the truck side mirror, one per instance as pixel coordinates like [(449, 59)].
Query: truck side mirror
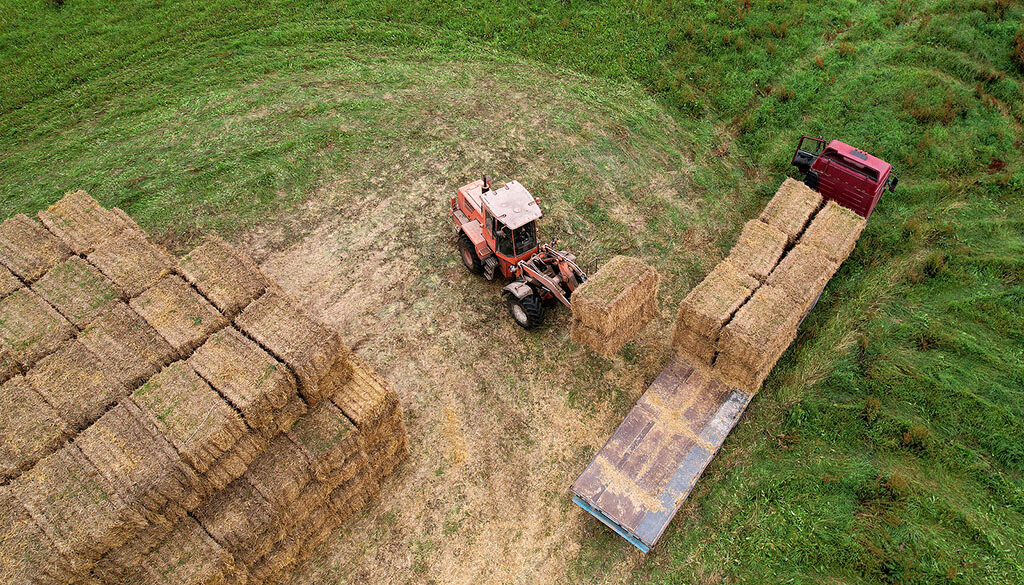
[(892, 183)]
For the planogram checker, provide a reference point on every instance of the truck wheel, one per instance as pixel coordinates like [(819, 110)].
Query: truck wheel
[(468, 253), (527, 311)]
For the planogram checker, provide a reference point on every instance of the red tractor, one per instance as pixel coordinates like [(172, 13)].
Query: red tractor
[(844, 174), (497, 232)]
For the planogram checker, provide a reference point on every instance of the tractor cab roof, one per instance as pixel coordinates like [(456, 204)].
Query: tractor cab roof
[(512, 204)]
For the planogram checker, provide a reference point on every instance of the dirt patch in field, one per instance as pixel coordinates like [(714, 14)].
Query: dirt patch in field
[(500, 420)]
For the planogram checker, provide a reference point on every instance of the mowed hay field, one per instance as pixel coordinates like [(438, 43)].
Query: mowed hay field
[(326, 138)]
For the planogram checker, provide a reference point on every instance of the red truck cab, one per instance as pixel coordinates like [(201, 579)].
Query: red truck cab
[(844, 174)]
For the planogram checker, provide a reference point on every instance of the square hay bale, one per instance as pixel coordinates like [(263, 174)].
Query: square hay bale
[(30, 428), (242, 521), (132, 262), (281, 473), (761, 330), (353, 495), (231, 465), (76, 507), (758, 249), (77, 290), (225, 276), (251, 379), (792, 207), (141, 464), (803, 274), (178, 313), (76, 383), (28, 250), (692, 345), (386, 455), (30, 328), (193, 417), (9, 367), (326, 438), (81, 223), (367, 398), (834, 231), (710, 305), (735, 372), (8, 282), (128, 347), (314, 352), (189, 557), (630, 325), (287, 416), (124, 563), (26, 554), (606, 301)]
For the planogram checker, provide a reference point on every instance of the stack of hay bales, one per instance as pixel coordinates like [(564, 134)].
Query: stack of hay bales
[(169, 422), (614, 305), (741, 318)]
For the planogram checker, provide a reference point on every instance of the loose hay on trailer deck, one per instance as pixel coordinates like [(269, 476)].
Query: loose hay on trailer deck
[(77, 290), (29, 427), (26, 554), (225, 276), (251, 379), (242, 521), (27, 249), (314, 352), (608, 299), (30, 328), (81, 223), (132, 262), (178, 313), (75, 506), (792, 207), (193, 417), (834, 231), (758, 249), (127, 345), (76, 383), (8, 282), (803, 274)]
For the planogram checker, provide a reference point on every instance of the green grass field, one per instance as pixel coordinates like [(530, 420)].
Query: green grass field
[(888, 444)]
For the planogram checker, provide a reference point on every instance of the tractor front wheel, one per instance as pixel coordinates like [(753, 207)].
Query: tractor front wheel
[(527, 311), (468, 253)]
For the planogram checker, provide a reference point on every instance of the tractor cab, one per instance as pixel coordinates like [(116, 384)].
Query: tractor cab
[(844, 174), (499, 225)]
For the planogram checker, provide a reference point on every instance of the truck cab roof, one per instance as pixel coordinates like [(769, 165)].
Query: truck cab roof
[(862, 160)]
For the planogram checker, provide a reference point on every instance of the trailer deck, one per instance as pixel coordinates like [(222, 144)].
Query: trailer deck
[(647, 468)]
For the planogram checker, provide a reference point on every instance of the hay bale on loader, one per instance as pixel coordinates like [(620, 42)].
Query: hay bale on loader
[(253, 381), (756, 337), (29, 427), (76, 507), (614, 305), (190, 414), (128, 346), (8, 282), (315, 353), (225, 276), (30, 328), (834, 231), (77, 290), (803, 274), (132, 262), (792, 207), (707, 308), (28, 250), (81, 223), (758, 249), (26, 554), (178, 313), (77, 384)]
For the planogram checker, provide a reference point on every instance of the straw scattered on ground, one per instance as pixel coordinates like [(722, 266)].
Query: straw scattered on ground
[(225, 276), (758, 249), (834, 231), (81, 223), (128, 346), (30, 328), (27, 249), (791, 208), (132, 262), (178, 313), (77, 290), (29, 427)]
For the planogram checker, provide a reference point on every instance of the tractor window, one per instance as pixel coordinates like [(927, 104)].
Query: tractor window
[(525, 238), (489, 222), (503, 240)]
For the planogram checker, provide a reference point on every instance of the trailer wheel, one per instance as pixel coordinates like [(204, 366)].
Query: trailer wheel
[(527, 311), (468, 253)]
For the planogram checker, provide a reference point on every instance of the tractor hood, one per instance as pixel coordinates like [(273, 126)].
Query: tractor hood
[(512, 205)]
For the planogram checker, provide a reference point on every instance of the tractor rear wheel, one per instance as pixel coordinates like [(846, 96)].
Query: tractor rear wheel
[(527, 311), (468, 253)]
